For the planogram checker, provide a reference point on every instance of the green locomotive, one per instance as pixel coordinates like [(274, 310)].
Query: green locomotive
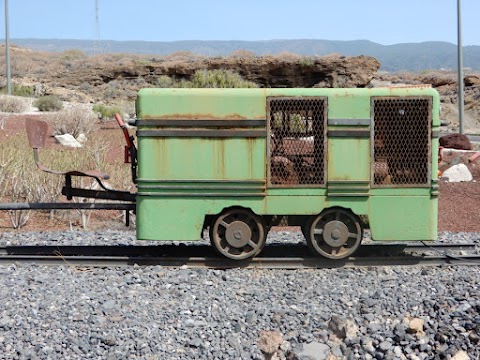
[(331, 161)]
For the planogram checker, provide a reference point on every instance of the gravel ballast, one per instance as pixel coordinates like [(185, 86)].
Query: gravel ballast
[(66, 312)]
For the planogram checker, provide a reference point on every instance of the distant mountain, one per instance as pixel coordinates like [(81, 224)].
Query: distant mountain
[(398, 57)]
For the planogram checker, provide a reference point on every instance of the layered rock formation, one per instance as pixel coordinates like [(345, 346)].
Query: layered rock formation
[(265, 71)]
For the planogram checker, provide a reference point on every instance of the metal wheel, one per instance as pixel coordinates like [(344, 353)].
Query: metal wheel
[(238, 234), (335, 234)]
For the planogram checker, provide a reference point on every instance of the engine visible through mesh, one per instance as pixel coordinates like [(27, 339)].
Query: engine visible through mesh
[(297, 141), (401, 141)]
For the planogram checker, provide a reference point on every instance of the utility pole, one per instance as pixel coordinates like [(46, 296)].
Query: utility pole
[(96, 42), (461, 103), (7, 50)]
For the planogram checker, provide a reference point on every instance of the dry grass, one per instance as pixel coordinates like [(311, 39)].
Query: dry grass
[(74, 121), (13, 104), (21, 181), (242, 54), (182, 56), (288, 56)]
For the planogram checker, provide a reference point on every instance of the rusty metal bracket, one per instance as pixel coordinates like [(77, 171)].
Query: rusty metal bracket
[(70, 192)]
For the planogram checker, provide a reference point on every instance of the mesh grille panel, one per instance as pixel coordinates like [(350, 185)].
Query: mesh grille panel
[(297, 141), (401, 141)]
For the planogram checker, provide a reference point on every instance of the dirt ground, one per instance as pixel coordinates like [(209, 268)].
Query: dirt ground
[(458, 202), (458, 206)]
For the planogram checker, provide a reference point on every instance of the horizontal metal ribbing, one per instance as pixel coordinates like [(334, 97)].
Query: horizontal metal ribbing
[(66, 206), (203, 133), (194, 194), (348, 185), (349, 133), (400, 186), (345, 182), (348, 194), (230, 123), (201, 187), (351, 189), (349, 122), (201, 181)]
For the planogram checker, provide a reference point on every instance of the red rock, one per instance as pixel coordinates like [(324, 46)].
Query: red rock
[(456, 141)]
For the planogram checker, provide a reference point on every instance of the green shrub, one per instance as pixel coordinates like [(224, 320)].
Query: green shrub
[(164, 81), (106, 112), (218, 79), (19, 90), (207, 79), (143, 62), (48, 103), (306, 61)]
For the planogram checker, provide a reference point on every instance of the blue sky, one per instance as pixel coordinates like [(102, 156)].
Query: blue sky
[(382, 21)]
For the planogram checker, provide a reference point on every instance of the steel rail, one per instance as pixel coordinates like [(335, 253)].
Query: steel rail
[(274, 250), (203, 257), (289, 263)]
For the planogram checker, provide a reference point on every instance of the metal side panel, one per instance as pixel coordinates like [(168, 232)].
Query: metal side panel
[(400, 218)]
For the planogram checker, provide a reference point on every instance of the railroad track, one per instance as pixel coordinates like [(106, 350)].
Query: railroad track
[(273, 257)]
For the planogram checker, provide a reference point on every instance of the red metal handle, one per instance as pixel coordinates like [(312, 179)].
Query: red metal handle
[(122, 125), (119, 120)]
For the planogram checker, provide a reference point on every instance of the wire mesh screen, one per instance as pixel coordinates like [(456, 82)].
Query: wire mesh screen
[(297, 141), (401, 141)]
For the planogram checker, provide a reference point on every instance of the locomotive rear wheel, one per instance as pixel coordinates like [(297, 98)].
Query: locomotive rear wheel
[(335, 234), (238, 234)]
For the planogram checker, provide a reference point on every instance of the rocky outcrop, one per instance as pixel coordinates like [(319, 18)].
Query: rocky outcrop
[(266, 71), (272, 71), (471, 80)]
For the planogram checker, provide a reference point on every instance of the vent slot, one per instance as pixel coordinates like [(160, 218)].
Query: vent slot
[(296, 155), (401, 141)]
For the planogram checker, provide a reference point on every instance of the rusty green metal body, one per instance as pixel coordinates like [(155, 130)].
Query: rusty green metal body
[(288, 153)]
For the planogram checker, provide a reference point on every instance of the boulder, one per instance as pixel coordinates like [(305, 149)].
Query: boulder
[(342, 328), (314, 351), (68, 140), (461, 355), (269, 342), (458, 173), (415, 326), (82, 138), (456, 141)]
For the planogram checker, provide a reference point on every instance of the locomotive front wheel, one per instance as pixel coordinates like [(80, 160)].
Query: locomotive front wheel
[(238, 234), (335, 234)]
